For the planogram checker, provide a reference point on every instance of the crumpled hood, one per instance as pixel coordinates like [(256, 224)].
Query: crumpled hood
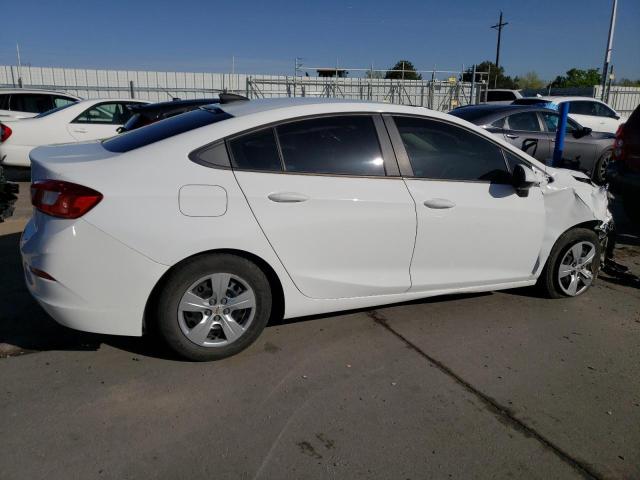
[(594, 197)]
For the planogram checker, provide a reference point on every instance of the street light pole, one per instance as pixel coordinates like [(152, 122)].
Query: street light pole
[(607, 53), (498, 27)]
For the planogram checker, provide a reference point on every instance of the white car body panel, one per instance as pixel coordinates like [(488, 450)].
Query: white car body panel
[(333, 244), (146, 232), (55, 128), (490, 235)]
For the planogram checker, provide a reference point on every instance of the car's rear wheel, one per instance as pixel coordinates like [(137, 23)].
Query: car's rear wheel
[(573, 264), (600, 169), (213, 306)]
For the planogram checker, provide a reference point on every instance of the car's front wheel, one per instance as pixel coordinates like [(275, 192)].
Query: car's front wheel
[(572, 265), (213, 306), (600, 169)]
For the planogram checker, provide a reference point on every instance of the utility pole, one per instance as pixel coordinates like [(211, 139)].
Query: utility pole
[(19, 66), (498, 27), (607, 53)]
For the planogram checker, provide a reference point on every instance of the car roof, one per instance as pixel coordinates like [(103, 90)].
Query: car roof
[(5, 91), (171, 104), (494, 108), (565, 98), (285, 106)]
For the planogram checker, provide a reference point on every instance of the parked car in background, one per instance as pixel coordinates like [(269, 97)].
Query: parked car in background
[(587, 111), (74, 122), (502, 96), (204, 225), (624, 173), (25, 103), (8, 196), (533, 129)]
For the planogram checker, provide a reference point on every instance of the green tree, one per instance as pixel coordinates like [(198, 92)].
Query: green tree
[(497, 78), (577, 77), (409, 71), (530, 80)]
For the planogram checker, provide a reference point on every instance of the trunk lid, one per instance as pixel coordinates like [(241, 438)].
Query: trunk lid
[(65, 161)]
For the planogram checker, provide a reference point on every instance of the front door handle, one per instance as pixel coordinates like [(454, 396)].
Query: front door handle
[(439, 203), (511, 136), (80, 130), (287, 197)]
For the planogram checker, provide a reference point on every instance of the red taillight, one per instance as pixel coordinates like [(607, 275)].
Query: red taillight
[(5, 132), (63, 199), (618, 144)]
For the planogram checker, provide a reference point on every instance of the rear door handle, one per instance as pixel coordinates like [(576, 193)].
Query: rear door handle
[(511, 135), (80, 130), (439, 203), (287, 197)]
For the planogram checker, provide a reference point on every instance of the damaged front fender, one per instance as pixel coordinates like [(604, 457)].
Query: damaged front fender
[(571, 199)]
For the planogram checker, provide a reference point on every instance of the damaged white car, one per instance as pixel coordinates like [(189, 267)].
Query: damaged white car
[(205, 225)]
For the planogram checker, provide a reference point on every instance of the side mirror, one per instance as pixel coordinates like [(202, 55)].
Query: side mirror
[(582, 132), (523, 179)]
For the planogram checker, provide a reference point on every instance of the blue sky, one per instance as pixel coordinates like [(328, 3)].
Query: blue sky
[(264, 37)]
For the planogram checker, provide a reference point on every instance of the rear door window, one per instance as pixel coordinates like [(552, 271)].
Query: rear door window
[(338, 145), (30, 102), (524, 122), (256, 151), (108, 113)]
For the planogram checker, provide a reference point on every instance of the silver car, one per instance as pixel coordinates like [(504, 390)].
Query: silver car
[(533, 129)]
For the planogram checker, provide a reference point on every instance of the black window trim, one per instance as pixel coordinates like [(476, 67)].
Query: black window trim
[(391, 167), (75, 120), (406, 170)]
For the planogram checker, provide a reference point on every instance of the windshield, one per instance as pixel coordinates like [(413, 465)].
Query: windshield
[(54, 110), (164, 129), (471, 114)]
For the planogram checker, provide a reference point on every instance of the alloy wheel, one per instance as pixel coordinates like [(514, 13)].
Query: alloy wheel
[(575, 273), (216, 310)]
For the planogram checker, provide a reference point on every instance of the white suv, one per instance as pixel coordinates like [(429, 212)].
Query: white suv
[(21, 103)]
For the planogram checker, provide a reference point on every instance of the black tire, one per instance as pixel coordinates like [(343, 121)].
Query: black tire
[(548, 282), (178, 282), (631, 205), (600, 168)]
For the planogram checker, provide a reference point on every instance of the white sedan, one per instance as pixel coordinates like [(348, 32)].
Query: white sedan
[(205, 225), (73, 122), (587, 111)]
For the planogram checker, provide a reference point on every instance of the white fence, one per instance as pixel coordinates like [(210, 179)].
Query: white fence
[(159, 86)]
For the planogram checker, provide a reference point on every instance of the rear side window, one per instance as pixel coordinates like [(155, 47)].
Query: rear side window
[(582, 108), (340, 145), (62, 101), (442, 151), (524, 122), (500, 96), (164, 129), (256, 151), (32, 103)]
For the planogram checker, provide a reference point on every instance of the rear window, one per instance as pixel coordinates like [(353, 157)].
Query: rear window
[(471, 114), (164, 129), (498, 96)]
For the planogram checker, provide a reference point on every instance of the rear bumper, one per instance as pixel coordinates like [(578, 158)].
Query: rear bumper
[(15, 155), (100, 285)]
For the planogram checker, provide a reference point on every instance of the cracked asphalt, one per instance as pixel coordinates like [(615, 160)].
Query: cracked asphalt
[(498, 385)]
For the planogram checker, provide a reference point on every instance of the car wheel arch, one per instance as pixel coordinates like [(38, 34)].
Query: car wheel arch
[(278, 301)]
